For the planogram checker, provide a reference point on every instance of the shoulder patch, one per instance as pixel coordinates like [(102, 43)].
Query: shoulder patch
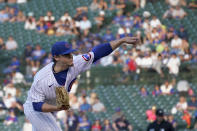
[(86, 57)]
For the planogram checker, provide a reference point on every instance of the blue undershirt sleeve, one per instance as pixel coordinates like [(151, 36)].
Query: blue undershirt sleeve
[(37, 106), (101, 50)]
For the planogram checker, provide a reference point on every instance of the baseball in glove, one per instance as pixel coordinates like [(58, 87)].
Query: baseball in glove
[(62, 98)]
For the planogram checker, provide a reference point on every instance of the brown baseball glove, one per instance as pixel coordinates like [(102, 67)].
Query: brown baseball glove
[(62, 98)]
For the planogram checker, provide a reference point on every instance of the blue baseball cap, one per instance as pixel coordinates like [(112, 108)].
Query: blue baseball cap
[(61, 48)]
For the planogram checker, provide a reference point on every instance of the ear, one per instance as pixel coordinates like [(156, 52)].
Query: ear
[(56, 58)]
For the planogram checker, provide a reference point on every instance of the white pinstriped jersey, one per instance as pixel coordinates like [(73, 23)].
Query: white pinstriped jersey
[(43, 87)]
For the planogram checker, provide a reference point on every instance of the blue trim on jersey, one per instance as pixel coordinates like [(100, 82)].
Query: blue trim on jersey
[(61, 77), (37, 106), (70, 85), (101, 50)]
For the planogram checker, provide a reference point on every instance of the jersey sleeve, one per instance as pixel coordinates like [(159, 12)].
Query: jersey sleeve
[(83, 62)]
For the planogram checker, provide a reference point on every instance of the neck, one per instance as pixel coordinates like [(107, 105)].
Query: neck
[(59, 67)]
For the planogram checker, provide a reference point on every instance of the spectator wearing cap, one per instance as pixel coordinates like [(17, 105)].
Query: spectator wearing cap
[(182, 33), (192, 104), (122, 124), (118, 113), (170, 34), (160, 124)]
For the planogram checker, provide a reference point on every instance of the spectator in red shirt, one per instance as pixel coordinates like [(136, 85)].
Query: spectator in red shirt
[(96, 126)]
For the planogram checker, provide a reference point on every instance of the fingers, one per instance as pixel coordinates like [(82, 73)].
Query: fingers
[(131, 40)]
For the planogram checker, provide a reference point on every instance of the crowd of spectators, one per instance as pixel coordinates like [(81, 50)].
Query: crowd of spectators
[(161, 47)]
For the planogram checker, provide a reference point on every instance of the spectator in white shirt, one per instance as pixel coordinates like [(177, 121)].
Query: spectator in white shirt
[(154, 34), (11, 44), (146, 25), (65, 17), (178, 12), (11, 103), (98, 106), (85, 25), (183, 87), (146, 61), (155, 22), (176, 42), (10, 89), (30, 23), (17, 77), (49, 19), (182, 104), (175, 2), (74, 103), (123, 31), (173, 64), (166, 88)]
